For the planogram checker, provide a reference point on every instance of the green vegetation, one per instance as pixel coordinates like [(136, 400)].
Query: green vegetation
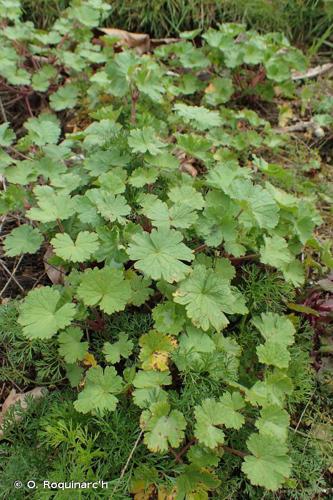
[(303, 21), (158, 188)]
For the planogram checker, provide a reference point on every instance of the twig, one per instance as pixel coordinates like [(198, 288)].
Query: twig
[(237, 453), (127, 463), (134, 100), (298, 127), (312, 72), (27, 103), (60, 226), (3, 111), (11, 274), (160, 41), (303, 412), (200, 248), (183, 450), (238, 260)]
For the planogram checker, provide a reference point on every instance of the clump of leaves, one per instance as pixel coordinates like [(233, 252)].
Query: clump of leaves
[(153, 204)]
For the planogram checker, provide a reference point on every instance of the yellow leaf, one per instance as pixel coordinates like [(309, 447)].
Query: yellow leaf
[(89, 360), (159, 361), (285, 114), (164, 494), (140, 491), (210, 88)]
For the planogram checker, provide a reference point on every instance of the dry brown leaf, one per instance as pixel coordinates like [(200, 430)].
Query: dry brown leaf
[(138, 41), (56, 274), (188, 169), (20, 398), (210, 88)]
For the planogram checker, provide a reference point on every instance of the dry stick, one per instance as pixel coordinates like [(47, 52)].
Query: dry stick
[(27, 103), (312, 72), (200, 248), (11, 274), (298, 127), (134, 100), (127, 463), (237, 453), (4, 217), (303, 412), (3, 111)]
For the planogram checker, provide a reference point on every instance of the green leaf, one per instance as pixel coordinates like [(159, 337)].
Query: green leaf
[(293, 272), (254, 50), (142, 176), (43, 130), (274, 422), (219, 91), (110, 250), (41, 79), (160, 254), (162, 427), (43, 313), (275, 251), (70, 345), (202, 456), (7, 136), (64, 98), (122, 348), (202, 117), (169, 318), (229, 406), (269, 465), (272, 390), (105, 287), (52, 205), (21, 240), (145, 140), (208, 417), (193, 347), (140, 287), (148, 388), (114, 181), (278, 332), (74, 374), (87, 15), (101, 133), (195, 145), (98, 395), (111, 207), (179, 215), (85, 245), (277, 69), (186, 195), (206, 296), (194, 482), (146, 379)]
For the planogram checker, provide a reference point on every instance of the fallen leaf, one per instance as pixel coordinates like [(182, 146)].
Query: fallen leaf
[(138, 41), (55, 274), (21, 398), (188, 169), (302, 309)]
